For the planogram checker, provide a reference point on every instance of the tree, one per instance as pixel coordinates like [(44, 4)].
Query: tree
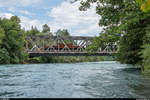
[(46, 28), (13, 42), (123, 21), (4, 56), (111, 13), (63, 33), (33, 31), (15, 19), (2, 34), (131, 45)]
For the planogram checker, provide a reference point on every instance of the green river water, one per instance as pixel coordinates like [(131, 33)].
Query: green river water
[(107, 79)]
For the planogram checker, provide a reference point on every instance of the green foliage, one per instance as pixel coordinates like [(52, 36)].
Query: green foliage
[(47, 59), (62, 33), (2, 34), (34, 60), (111, 13), (46, 28), (15, 19), (72, 59), (4, 56), (33, 31), (124, 23), (13, 41), (146, 51), (146, 60), (130, 46), (131, 26), (145, 5), (133, 39)]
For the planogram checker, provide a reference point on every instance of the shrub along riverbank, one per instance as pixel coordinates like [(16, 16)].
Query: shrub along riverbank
[(68, 59)]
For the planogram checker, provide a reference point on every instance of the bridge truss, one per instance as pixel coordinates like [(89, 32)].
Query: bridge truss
[(42, 45)]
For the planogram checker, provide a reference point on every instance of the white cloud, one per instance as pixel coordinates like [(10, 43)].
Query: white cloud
[(16, 3), (16, 10), (25, 12), (12, 9), (68, 16), (25, 21), (5, 15), (64, 16)]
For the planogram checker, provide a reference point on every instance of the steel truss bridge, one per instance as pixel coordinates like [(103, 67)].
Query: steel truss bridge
[(43, 45)]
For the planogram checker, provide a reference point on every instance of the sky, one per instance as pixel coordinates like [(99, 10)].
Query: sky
[(58, 14)]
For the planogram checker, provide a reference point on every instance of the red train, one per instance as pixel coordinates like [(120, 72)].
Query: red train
[(61, 46)]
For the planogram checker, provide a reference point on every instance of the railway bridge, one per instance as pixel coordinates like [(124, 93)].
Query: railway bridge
[(44, 45)]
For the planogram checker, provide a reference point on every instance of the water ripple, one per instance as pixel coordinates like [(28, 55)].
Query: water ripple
[(83, 80)]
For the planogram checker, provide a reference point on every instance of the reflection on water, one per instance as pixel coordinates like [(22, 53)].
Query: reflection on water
[(80, 80)]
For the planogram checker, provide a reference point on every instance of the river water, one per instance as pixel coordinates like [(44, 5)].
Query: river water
[(78, 80)]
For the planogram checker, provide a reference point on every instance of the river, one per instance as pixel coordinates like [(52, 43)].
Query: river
[(108, 79)]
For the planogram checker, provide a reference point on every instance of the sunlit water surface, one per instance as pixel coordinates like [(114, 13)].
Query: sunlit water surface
[(78, 80)]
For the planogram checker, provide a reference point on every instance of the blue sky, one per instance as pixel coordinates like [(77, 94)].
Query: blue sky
[(58, 14)]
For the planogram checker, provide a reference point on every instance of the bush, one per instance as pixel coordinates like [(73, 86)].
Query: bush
[(4, 56), (146, 59)]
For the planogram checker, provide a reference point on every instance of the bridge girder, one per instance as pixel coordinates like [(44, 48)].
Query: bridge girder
[(72, 46)]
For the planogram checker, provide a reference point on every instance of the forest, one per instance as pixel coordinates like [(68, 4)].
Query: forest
[(125, 22)]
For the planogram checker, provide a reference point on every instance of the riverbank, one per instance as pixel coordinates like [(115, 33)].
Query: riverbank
[(66, 59)]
